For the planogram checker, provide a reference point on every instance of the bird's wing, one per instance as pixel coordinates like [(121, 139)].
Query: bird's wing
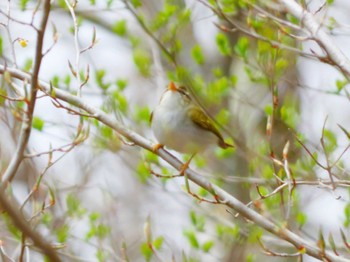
[(151, 117), (203, 121)]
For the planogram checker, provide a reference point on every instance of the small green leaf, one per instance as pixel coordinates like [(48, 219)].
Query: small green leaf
[(28, 65), (101, 255), (158, 242), (268, 109), (341, 84), (94, 216), (197, 54), (136, 3), (3, 92), (100, 74), (142, 61), (143, 172), (23, 4), (192, 239), (122, 102), (347, 215), (62, 233), (223, 44), (142, 114), (74, 207), (301, 219), (146, 251), (207, 246), (122, 84), (241, 48), (38, 123), (120, 28)]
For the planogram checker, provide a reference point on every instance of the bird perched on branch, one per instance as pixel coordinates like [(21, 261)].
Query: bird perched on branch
[(180, 124)]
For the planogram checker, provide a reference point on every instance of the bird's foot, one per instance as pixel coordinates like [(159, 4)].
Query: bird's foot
[(185, 166), (156, 147)]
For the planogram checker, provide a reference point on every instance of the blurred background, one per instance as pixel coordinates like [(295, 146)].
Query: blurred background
[(106, 201)]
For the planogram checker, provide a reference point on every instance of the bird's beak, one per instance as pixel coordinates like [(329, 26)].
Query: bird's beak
[(172, 87)]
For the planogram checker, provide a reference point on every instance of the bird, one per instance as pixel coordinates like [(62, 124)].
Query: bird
[(181, 125)]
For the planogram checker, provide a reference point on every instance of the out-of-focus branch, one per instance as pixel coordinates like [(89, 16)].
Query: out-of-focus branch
[(221, 195), (28, 114), (17, 218), (334, 54)]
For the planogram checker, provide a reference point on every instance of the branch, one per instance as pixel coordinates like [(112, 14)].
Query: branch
[(28, 114), (319, 35), (17, 218), (222, 196)]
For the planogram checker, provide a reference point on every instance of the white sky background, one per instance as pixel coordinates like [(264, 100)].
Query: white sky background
[(168, 207)]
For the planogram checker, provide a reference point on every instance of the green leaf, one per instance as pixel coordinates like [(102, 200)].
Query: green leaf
[(163, 16), (250, 258), (94, 216), (142, 61), (55, 80), (38, 123), (122, 84), (146, 251), (74, 207), (62, 233), (101, 255), (46, 218), (28, 65), (197, 54), (99, 75), (158, 242), (142, 114), (3, 92), (122, 102), (268, 109), (67, 80), (223, 44), (120, 28), (23, 4), (341, 84), (207, 246), (347, 215), (143, 172), (136, 3), (192, 238), (301, 219), (330, 140), (102, 231), (241, 48)]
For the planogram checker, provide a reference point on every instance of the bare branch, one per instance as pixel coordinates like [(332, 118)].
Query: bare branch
[(319, 35), (28, 114)]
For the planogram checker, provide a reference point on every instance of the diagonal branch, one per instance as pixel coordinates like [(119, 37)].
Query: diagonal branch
[(17, 218), (223, 197), (319, 35), (28, 114)]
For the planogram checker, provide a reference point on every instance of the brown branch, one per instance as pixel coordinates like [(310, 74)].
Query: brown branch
[(19, 221), (28, 115)]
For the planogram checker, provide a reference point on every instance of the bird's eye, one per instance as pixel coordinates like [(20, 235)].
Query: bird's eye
[(183, 91)]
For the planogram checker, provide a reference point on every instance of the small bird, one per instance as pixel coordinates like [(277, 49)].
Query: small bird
[(181, 125)]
